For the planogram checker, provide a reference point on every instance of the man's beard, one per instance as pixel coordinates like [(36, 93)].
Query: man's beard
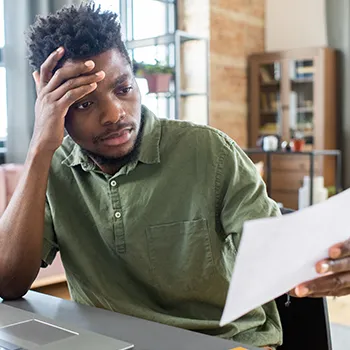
[(119, 161)]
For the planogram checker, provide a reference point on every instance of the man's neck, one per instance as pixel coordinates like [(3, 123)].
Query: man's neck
[(109, 169), (111, 166)]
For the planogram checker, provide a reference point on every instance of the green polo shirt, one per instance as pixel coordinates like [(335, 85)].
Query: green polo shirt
[(158, 239)]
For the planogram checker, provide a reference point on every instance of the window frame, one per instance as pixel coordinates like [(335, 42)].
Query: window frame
[(2, 61), (126, 16), (2, 65)]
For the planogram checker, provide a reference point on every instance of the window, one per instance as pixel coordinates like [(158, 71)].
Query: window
[(142, 19), (2, 25), (149, 19), (112, 5), (3, 109)]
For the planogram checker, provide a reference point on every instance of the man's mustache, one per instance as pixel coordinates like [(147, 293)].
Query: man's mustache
[(112, 130)]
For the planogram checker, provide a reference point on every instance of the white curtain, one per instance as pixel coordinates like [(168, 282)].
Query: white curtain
[(19, 14)]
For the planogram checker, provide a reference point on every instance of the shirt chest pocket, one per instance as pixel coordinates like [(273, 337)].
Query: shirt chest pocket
[(180, 256)]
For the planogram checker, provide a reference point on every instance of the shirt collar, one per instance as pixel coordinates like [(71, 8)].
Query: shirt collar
[(149, 148), (150, 143), (77, 157)]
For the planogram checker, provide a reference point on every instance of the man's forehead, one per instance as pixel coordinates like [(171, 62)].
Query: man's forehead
[(111, 61)]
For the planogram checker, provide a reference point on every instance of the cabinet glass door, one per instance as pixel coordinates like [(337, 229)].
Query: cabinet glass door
[(270, 100), (301, 104)]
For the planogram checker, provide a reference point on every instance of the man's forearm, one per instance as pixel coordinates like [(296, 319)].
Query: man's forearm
[(22, 227)]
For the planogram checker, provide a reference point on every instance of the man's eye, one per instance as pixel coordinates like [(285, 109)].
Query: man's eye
[(126, 90), (84, 105)]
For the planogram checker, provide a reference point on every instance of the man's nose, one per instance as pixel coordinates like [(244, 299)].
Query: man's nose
[(113, 111)]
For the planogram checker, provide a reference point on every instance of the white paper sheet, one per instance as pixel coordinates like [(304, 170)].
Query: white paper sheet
[(276, 254)]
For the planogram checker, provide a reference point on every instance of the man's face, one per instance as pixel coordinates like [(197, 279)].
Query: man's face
[(107, 121)]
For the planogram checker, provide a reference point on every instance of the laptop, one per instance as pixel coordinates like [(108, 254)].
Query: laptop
[(22, 330)]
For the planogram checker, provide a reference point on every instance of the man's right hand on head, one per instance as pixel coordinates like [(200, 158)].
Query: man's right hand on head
[(56, 93)]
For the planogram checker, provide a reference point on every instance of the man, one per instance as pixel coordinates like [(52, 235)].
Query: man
[(147, 213)]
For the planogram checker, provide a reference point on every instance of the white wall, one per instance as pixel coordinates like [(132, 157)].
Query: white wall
[(295, 24)]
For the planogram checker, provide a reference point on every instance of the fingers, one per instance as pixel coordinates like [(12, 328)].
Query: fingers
[(333, 284), (72, 84), (336, 281), (36, 77), (71, 96), (48, 66), (293, 293), (333, 266), (67, 72), (340, 250), (338, 293)]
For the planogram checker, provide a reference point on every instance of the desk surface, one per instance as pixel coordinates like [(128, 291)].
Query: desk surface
[(144, 334)]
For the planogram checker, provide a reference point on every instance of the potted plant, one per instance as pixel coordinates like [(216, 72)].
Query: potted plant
[(158, 76), (298, 141)]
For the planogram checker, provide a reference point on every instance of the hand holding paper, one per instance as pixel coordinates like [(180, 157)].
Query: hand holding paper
[(278, 254), (336, 269)]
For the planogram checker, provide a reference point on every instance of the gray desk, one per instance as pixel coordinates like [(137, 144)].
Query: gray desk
[(144, 334)]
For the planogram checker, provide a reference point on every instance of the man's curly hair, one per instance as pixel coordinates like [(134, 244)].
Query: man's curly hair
[(84, 31)]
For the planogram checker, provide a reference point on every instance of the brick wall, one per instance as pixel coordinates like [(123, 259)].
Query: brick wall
[(236, 30)]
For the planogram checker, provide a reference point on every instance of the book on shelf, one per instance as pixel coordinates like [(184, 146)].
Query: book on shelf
[(264, 103), (265, 75), (273, 101), (269, 102), (304, 69)]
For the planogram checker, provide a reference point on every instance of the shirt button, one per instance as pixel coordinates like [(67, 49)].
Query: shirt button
[(118, 215), (113, 183)]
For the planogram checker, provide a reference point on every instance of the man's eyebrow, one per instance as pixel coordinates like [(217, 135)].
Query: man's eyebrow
[(120, 80)]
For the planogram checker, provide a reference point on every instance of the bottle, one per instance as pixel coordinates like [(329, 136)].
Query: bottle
[(320, 193)]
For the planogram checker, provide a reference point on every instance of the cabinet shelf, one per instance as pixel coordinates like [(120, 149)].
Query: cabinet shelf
[(274, 83), (189, 94), (267, 133), (268, 113), (163, 40), (305, 110), (298, 110), (302, 81)]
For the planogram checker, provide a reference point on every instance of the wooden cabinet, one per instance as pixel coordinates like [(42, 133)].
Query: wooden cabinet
[(294, 93)]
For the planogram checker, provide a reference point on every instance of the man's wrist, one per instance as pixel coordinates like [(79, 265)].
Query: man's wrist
[(39, 154)]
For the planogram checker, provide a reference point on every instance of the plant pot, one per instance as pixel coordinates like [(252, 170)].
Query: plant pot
[(297, 145), (158, 82)]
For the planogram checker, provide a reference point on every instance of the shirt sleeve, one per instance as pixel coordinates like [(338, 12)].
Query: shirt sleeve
[(241, 192), (50, 245)]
